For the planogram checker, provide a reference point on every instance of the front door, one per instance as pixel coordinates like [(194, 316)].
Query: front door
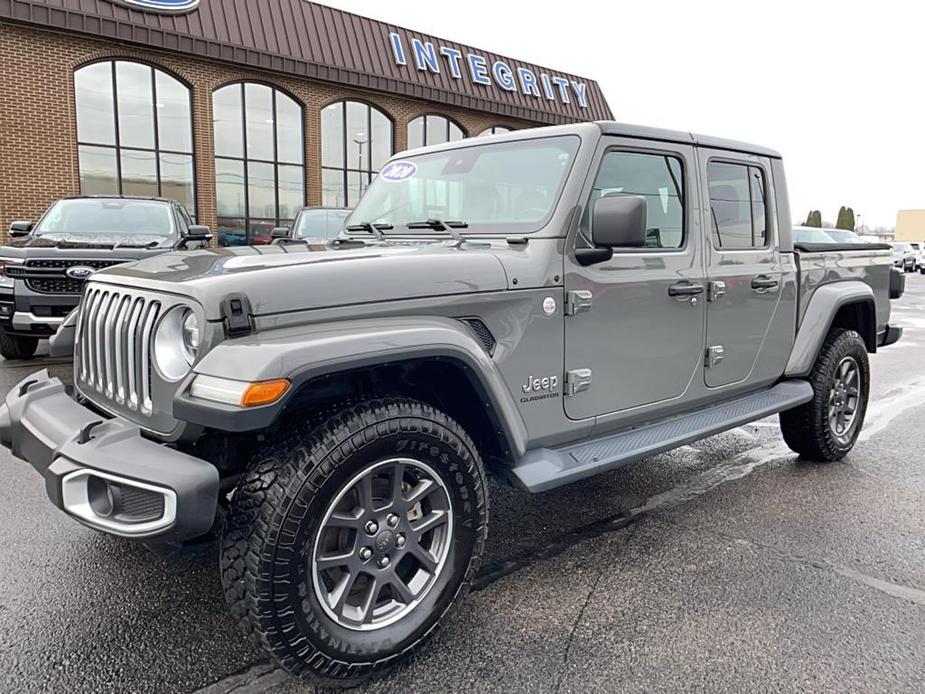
[(743, 266), (642, 336)]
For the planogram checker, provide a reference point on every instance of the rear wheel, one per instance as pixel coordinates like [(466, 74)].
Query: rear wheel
[(346, 544), (17, 346), (826, 428)]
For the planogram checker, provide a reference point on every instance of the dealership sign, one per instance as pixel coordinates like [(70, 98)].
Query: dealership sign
[(429, 58), (160, 6)]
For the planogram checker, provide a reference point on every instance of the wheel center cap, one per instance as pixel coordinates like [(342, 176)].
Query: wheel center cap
[(385, 542)]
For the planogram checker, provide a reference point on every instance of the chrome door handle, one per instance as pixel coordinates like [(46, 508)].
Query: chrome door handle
[(763, 283), (684, 290)]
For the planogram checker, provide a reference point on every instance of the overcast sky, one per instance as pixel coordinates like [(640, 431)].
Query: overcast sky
[(837, 87)]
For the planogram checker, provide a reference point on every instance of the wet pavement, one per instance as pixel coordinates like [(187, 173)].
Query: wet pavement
[(728, 565)]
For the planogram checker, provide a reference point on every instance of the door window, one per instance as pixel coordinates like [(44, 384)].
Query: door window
[(656, 177), (738, 209)]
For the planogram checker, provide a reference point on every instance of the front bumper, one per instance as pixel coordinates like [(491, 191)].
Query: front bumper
[(102, 472)]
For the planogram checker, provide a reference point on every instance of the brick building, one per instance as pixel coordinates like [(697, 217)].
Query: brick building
[(242, 110)]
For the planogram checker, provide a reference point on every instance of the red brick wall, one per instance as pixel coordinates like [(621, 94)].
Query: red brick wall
[(38, 150)]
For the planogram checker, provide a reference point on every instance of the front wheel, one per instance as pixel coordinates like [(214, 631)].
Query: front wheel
[(826, 428), (17, 346), (345, 545)]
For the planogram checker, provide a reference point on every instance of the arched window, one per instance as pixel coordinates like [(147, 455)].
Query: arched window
[(134, 132), (356, 141), (496, 130), (259, 161), (433, 130)]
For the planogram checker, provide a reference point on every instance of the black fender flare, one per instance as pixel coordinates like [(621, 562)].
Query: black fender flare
[(308, 352)]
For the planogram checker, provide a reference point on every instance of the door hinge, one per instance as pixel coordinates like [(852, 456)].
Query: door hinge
[(578, 301), (715, 289), (714, 356), (577, 381)]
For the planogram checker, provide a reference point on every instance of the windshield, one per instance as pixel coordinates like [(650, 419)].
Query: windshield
[(811, 235), (82, 217), (844, 236), (901, 247), (504, 187), (320, 224)]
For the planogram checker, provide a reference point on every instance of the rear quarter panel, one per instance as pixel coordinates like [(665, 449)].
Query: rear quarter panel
[(870, 267)]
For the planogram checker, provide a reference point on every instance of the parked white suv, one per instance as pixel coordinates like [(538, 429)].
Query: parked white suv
[(904, 257), (919, 248)]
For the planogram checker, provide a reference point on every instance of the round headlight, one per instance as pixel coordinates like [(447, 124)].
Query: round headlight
[(176, 343)]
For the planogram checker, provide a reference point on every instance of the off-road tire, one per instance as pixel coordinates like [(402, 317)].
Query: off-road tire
[(267, 544), (17, 346), (806, 428)]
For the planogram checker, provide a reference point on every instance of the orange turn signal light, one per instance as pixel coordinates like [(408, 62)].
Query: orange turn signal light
[(264, 392)]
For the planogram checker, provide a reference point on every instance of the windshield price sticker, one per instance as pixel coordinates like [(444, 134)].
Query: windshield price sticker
[(399, 171)]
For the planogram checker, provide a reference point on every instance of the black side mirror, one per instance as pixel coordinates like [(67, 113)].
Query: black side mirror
[(198, 232), (616, 222), (279, 233), (619, 222), (20, 228)]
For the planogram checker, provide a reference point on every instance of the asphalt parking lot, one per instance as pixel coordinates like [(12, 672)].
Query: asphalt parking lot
[(728, 565)]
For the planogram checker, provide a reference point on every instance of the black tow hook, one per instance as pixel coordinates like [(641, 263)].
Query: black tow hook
[(24, 388), (84, 435)]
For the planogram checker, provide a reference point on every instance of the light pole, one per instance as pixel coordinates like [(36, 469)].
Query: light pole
[(360, 139)]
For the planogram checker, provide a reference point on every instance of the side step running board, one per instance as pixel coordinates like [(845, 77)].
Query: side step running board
[(546, 468)]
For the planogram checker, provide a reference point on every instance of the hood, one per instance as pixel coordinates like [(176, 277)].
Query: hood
[(107, 240), (282, 278)]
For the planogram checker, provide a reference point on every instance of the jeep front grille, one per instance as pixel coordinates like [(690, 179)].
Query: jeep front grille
[(114, 346)]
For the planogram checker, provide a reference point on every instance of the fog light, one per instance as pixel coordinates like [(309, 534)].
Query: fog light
[(102, 497), (118, 505)]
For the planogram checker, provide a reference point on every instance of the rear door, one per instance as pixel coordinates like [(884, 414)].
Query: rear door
[(744, 272), (637, 322)]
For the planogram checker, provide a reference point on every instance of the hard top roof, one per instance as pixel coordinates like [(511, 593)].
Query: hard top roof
[(680, 136)]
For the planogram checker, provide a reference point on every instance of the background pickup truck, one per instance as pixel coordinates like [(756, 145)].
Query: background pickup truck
[(540, 306), (44, 266)]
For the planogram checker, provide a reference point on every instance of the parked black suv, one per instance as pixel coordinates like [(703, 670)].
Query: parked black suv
[(43, 266)]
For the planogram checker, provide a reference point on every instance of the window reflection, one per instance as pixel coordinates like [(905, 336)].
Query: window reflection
[(356, 141), (134, 132), (98, 170), (496, 130), (737, 205), (259, 157), (657, 178), (139, 173), (433, 129)]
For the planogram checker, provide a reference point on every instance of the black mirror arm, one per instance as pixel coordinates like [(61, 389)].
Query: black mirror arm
[(592, 256)]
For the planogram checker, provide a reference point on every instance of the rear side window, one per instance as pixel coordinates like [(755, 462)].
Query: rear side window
[(656, 177), (738, 208)]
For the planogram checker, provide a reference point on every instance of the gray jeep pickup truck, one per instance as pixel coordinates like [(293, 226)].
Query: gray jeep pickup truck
[(540, 306)]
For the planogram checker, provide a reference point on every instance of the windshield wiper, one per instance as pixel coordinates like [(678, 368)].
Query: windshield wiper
[(150, 244), (374, 229), (440, 225)]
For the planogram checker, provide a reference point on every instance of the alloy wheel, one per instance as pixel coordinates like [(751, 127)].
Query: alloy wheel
[(844, 399), (382, 544)]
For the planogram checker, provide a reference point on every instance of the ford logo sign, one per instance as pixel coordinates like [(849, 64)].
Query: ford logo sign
[(79, 272), (161, 6)]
